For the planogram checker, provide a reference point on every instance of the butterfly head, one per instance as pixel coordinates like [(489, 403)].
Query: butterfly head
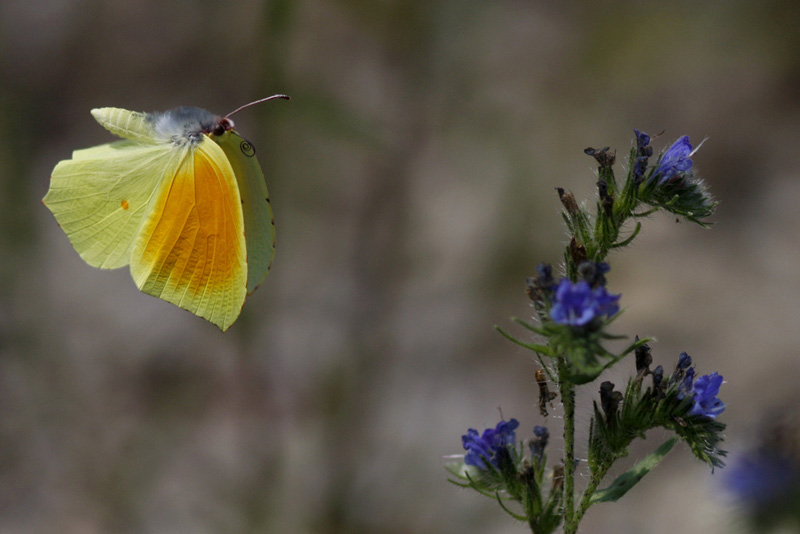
[(225, 124), (220, 126), (186, 125)]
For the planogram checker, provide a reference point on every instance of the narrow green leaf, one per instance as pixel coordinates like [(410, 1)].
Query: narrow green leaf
[(629, 479), (516, 516), (529, 326), (539, 349), (581, 378), (627, 241)]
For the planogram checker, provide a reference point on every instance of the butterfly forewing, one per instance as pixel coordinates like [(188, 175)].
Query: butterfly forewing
[(100, 196)]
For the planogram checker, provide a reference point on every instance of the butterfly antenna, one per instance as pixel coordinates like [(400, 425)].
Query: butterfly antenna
[(237, 110)]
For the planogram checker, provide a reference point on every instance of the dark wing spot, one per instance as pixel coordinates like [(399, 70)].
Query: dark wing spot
[(247, 149)]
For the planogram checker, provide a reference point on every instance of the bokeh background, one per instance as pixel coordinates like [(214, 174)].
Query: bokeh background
[(412, 177)]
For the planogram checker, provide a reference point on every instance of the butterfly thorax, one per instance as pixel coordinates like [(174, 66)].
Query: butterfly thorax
[(186, 125)]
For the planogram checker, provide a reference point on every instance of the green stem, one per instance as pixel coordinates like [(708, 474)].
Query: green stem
[(594, 481), (568, 398)]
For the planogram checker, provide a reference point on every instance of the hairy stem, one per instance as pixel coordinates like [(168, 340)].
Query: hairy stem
[(594, 481), (568, 398)]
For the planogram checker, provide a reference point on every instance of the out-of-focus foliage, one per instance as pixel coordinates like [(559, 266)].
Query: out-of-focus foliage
[(412, 178)]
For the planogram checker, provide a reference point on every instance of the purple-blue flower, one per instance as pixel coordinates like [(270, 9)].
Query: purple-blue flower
[(578, 304), (686, 384), (639, 168), (658, 376), (703, 391), (675, 161), (594, 272), (642, 142), (492, 445), (706, 402), (538, 445), (761, 477), (643, 153), (544, 285)]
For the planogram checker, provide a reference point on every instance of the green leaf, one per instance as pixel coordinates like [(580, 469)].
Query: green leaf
[(629, 479), (539, 349), (529, 326), (628, 241), (581, 378)]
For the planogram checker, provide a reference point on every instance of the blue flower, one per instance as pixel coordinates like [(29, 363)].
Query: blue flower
[(537, 445), (706, 402), (643, 153), (674, 161), (491, 446), (642, 143), (761, 477), (578, 304), (686, 384), (658, 376), (543, 286), (703, 391), (639, 167), (594, 272), (544, 276)]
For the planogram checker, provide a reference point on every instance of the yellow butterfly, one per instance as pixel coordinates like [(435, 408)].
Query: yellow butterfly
[(181, 198)]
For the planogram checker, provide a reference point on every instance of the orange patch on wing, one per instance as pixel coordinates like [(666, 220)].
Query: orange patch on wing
[(124, 204), (194, 254)]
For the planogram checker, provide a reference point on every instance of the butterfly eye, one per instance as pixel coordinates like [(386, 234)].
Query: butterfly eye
[(221, 126)]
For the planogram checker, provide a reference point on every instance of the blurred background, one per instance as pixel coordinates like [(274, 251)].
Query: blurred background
[(412, 177)]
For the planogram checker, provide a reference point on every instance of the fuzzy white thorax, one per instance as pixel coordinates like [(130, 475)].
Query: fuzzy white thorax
[(183, 125)]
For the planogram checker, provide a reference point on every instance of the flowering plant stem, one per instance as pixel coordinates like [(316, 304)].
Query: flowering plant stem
[(594, 481), (574, 314), (567, 390)]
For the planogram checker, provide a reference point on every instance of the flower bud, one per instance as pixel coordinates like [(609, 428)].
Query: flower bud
[(609, 400)]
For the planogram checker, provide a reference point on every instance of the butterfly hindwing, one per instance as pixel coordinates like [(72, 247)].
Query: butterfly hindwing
[(190, 250), (126, 124), (259, 225)]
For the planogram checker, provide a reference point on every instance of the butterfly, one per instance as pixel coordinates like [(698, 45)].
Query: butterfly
[(181, 199)]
